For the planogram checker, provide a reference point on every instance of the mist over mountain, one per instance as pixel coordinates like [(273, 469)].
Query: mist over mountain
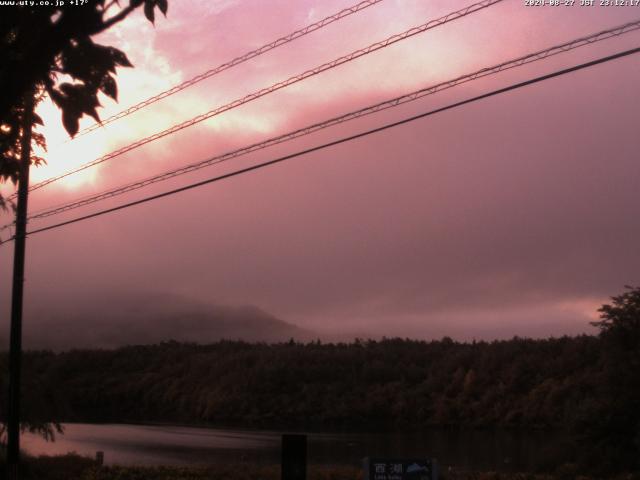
[(126, 319)]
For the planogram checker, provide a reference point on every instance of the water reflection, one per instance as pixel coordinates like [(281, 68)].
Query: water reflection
[(167, 445)]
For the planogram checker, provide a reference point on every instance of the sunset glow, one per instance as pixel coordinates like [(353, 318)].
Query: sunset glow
[(460, 201)]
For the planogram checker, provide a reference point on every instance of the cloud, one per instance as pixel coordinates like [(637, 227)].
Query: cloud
[(514, 215)]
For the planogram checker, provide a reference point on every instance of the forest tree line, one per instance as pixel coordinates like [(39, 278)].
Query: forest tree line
[(383, 385), (388, 384), (588, 386)]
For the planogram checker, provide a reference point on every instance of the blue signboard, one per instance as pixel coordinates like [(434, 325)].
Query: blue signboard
[(399, 469)]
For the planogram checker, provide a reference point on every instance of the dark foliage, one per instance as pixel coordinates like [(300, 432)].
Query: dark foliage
[(62, 467), (615, 423), (390, 384), (48, 50)]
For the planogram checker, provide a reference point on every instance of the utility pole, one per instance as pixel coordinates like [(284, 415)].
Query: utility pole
[(15, 346)]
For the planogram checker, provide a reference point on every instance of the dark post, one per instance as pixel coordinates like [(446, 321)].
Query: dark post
[(294, 457), (15, 346)]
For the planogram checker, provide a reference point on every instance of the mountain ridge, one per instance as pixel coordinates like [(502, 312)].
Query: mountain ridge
[(115, 321)]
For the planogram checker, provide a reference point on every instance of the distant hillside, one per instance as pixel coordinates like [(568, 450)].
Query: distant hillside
[(148, 319)]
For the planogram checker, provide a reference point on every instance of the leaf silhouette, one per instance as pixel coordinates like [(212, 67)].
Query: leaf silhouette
[(70, 122), (148, 10), (109, 87), (163, 5), (119, 57)]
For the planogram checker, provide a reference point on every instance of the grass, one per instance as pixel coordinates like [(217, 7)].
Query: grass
[(75, 467)]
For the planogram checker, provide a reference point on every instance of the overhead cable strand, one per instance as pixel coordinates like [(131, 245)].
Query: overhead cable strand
[(523, 60), (344, 139), (277, 86), (232, 63)]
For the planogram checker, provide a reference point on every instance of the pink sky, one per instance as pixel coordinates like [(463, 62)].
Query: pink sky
[(516, 215)]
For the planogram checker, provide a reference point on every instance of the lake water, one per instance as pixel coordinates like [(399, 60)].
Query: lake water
[(171, 445)]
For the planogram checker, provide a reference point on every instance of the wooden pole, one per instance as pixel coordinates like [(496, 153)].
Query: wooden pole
[(15, 346)]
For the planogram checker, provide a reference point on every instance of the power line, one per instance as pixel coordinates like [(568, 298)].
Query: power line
[(345, 139), (523, 60), (277, 86), (232, 63)]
